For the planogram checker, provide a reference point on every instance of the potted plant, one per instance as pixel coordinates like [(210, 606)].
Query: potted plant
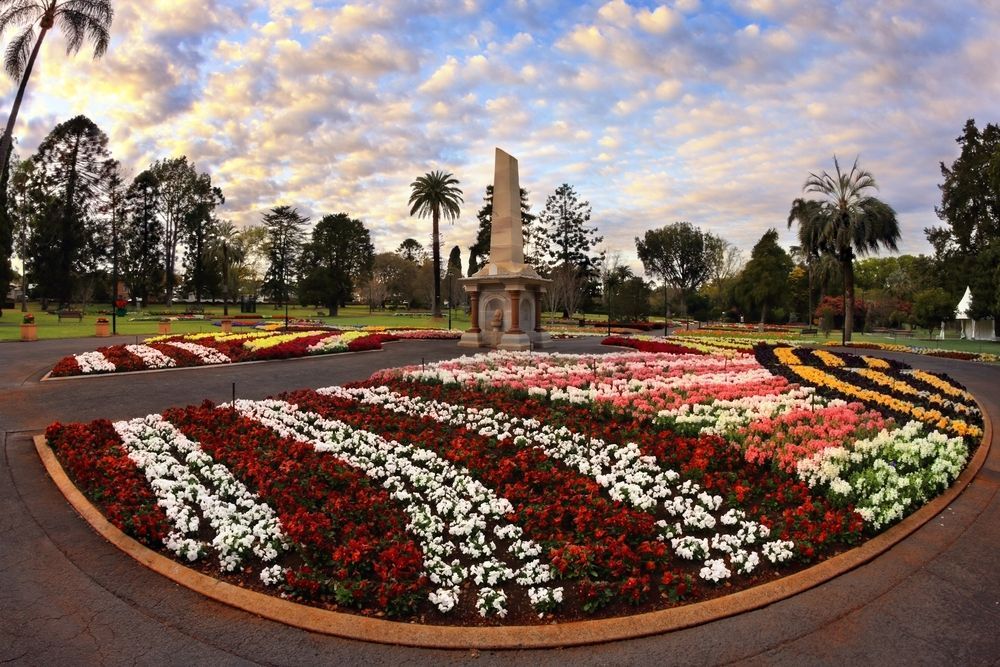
[(227, 325), (29, 330), (164, 325), (102, 327)]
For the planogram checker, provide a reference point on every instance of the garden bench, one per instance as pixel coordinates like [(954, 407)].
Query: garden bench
[(809, 330), (78, 314), (902, 333)]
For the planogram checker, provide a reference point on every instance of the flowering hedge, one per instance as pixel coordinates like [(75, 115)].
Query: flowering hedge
[(206, 349), (509, 486)]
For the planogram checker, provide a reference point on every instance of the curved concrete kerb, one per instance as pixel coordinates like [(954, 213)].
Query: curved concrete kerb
[(510, 637)]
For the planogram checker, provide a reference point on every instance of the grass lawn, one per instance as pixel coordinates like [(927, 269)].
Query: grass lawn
[(49, 326), (919, 340)]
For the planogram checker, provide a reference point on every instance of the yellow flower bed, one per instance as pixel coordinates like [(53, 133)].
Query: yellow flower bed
[(831, 360), (261, 343), (787, 356), (940, 384), (876, 363), (932, 417), (895, 347), (727, 350), (904, 388)]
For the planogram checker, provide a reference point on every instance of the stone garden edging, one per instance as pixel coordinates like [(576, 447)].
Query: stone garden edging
[(573, 633)]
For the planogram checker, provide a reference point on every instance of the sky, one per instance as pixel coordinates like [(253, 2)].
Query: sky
[(708, 111)]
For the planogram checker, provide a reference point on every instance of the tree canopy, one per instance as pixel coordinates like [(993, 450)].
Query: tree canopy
[(845, 222), (67, 237), (564, 232), (284, 226), (763, 285), (435, 194), (338, 257), (79, 21), (142, 264), (683, 257), (967, 247)]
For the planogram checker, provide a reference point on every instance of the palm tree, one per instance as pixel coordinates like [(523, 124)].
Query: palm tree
[(433, 194), (78, 19), (229, 253), (845, 223)]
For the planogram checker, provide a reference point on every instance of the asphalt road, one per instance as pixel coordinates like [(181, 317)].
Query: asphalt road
[(69, 598)]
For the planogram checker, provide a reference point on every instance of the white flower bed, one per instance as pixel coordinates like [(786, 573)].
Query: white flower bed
[(150, 356), (207, 354), (629, 477), (94, 362), (189, 485), (885, 475), (442, 501), (334, 343)]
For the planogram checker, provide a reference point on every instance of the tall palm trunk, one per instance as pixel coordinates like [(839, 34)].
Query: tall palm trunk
[(848, 269), (436, 306)]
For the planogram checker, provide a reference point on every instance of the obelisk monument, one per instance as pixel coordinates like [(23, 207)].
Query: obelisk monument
[(506, 294)]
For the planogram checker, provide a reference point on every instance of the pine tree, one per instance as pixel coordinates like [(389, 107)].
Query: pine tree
[(284, 227), (67, 240), (564, 232), (142, 235), (567, 245)]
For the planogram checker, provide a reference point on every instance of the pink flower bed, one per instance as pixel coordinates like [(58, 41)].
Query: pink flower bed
[(799, 434)]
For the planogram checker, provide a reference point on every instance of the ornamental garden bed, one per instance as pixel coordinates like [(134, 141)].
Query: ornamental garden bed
[(516, 488), (208, 349)]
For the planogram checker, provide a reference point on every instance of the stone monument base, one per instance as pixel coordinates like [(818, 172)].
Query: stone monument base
[(528, 340)]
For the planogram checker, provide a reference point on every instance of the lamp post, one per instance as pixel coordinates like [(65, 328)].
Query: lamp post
[(114, 274), (225, 278), (607, 295), (284, 289)]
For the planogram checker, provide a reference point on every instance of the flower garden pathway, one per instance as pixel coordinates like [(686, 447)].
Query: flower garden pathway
[(67, 597)]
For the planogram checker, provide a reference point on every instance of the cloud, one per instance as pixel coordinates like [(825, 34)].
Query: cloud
[(655, 111)]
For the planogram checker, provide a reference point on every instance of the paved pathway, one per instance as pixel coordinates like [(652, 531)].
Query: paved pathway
[(67, 597)]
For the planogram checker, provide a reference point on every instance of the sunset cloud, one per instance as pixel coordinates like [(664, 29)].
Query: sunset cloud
[(711, 112)]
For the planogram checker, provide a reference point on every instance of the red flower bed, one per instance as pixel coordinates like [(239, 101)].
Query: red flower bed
[(93, 457), (287, 350), (773, 497), (123, 360), (589, 536), (648, 345), (181, 357), (66, 366), (349, 537)]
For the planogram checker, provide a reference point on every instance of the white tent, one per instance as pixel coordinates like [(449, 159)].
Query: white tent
[(970, 328)]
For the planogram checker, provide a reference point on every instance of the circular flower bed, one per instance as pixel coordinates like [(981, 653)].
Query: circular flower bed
[(516, 488)]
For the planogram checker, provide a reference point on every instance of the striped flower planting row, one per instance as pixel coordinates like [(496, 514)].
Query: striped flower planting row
[(207, 349)]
